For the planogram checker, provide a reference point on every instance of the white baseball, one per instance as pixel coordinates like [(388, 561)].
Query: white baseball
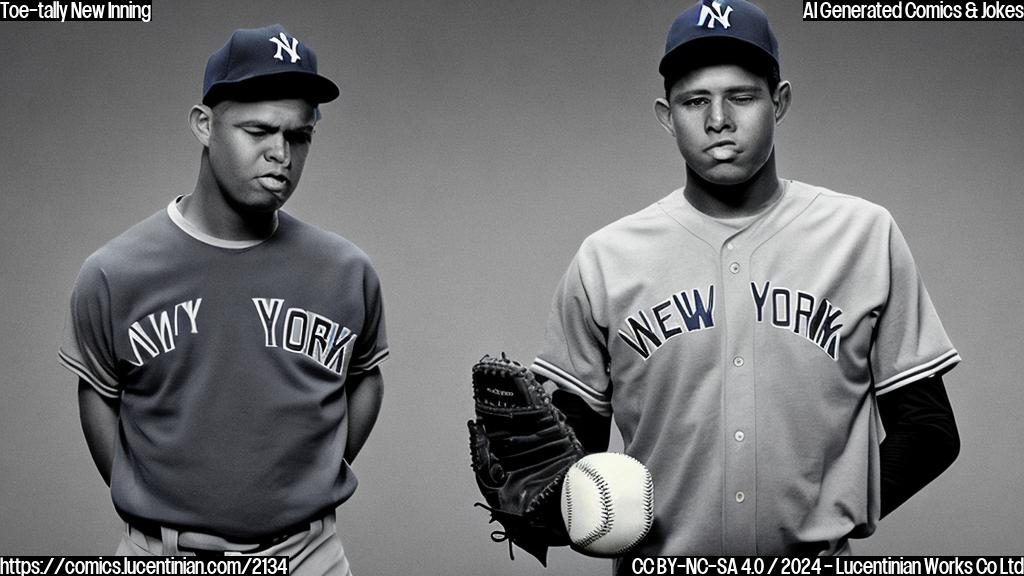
[(607, 503)]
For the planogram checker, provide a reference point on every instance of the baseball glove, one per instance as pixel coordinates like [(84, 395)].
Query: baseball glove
[(521, 450)]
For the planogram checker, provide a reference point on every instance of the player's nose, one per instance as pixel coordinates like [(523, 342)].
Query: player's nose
[(717, 118), (278, 149)]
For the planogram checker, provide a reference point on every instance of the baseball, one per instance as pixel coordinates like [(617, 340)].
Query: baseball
[(607, 503)]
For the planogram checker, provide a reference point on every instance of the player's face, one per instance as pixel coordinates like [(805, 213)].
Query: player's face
[(723, 119), (257, 151)]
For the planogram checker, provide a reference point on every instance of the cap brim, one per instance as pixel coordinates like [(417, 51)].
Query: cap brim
[(283, 85)]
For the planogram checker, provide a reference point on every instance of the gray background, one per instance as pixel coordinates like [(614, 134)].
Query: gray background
[(474, 146)]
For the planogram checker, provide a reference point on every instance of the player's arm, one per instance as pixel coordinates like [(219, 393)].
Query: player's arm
[(99, 423), (365, 393), (921, 439), (592, 429)]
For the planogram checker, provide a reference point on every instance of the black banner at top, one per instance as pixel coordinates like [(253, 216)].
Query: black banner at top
[(920, 10), (64, 11)]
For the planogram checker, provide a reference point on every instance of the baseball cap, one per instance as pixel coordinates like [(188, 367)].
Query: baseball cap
[(265, 64), (717, 25)]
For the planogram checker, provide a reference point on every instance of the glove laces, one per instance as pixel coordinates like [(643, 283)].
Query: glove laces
[(497, 535)]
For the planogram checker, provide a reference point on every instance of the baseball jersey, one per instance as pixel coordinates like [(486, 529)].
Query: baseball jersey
[(230, 360), (741, 360)]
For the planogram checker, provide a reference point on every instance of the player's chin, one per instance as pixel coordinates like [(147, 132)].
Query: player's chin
[(262, 200), (727, 174)]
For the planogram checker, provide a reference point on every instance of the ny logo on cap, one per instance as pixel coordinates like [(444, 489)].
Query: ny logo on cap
[(717, 16), (292, 49)]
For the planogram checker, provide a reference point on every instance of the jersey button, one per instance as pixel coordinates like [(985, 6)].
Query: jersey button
[(729, 246), (737, 361), (734, 268), (739, 435), (740, 497)]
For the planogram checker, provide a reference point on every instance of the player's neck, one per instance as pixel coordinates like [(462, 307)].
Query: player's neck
[(734, 201), (208, 210)]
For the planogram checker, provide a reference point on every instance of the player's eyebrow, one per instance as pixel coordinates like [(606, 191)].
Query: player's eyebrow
[(745, 88), (268, 127), (257, 124)]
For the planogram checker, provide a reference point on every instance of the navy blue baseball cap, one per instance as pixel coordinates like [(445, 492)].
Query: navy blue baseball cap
[(715, 25), (265, 64)]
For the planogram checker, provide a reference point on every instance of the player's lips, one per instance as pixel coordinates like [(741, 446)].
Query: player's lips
[(273, 181), (723, 150), (721, 144)]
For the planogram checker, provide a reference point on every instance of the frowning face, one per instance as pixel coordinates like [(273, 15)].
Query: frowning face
[(257, 151), (723, 120)]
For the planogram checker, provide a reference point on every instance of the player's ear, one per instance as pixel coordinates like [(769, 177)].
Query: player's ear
[(663, 112), (782, 98), (200, 119)]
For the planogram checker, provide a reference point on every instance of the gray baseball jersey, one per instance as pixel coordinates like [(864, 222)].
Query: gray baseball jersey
[(230, 360), (741, 360)]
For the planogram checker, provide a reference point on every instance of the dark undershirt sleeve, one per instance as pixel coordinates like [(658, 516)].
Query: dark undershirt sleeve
[(592, 429), (921, 439)]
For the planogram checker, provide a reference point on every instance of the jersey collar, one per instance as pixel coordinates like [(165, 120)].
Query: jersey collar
[(187, 227)]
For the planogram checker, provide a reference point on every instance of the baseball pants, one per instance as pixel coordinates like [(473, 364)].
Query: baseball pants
[(314, 552)]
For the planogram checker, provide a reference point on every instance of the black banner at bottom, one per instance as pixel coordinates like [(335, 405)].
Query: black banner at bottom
[(820, 566), (137, 565)]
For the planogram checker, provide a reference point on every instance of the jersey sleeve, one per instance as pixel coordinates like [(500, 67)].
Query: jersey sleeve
[(87, 345), (910, 343), (371, 346), (575, 353)]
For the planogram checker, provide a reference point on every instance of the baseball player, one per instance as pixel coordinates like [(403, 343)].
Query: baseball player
[(748, 332), (227, 353)]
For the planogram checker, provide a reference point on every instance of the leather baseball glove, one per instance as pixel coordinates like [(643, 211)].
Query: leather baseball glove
[(521, 450)]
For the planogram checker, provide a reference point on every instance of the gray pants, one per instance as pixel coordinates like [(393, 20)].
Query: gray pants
[(314, 552)]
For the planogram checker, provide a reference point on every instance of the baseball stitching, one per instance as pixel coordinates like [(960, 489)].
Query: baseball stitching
[(568, 506), (648, 507), (607, 519)]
